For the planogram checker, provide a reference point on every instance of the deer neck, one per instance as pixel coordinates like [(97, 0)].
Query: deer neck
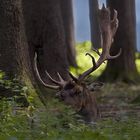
[(89, 109)]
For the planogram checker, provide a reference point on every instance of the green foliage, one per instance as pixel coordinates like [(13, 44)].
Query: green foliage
[(13, 84), (85, 62), (138, 61), (59, 122)]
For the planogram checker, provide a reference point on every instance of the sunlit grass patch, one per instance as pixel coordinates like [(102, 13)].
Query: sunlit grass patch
[(85, 62), (138, 65), (1, 74)]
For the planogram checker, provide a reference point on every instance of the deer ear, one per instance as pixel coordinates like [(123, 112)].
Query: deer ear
[(95, 86)]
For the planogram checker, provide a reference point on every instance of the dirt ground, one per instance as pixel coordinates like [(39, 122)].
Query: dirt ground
[(119, 100)]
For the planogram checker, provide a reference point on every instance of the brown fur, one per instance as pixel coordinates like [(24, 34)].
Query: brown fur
[(81, 99)]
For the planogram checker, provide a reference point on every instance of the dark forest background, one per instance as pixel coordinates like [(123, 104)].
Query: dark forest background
[(28, 110)]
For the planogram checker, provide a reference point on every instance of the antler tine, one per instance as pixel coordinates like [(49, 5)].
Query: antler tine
[(53, 80), (115, 56), (81, 77), (73, 77), (103, 6), (93, 60), (39, 77), (115, 16), (97, 51), (61, 83), (108, 29), (114, 23), (61, 79)]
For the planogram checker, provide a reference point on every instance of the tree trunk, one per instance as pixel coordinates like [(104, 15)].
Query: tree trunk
[(124, 67), (67, 16), (14, 56), (9, 37), (53, 41), (46, 36), (94, 24)]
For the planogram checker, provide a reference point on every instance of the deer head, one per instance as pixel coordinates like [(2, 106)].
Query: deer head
[(75, 92)]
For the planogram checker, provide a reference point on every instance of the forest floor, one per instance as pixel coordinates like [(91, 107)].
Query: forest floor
[(120, 115), (119, 107), (120, 100)]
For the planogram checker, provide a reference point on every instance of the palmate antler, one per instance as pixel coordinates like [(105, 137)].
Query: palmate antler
[(108, 29)]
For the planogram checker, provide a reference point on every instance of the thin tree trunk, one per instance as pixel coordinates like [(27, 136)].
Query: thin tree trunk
[(46, 36), (94, 24), (53, 41), (124, 67), (67, 16)]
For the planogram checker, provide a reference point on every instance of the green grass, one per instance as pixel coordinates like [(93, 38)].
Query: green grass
[(60, 124)]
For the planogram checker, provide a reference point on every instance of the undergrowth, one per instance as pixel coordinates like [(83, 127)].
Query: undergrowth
[(60, 122)]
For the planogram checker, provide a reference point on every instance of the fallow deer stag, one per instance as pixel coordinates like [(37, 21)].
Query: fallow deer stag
[(75, 92)]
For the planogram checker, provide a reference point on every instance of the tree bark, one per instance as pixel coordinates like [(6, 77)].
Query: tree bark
[(94, 24), (123, 68), (55, 58), (14, 56), (68, 23), (9, 37), (46, 36)]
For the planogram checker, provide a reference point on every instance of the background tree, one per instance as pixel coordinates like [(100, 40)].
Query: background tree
[(124, 67), (14, 56), (11, 33), (43, 32), (94, 23), (46, 36), (68, 23)]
